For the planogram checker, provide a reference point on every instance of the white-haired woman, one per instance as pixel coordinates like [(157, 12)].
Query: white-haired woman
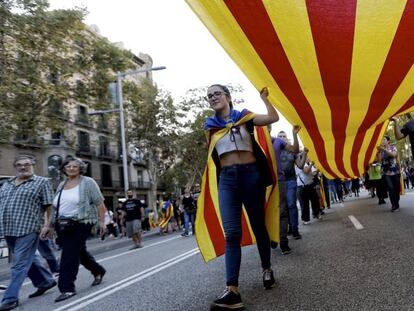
[(79, 205)]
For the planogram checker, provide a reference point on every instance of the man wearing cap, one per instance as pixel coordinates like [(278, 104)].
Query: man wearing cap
[(23, 202)]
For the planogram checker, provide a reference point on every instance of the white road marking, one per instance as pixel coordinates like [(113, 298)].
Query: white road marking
[(95, 296), (138, 249), (121, 254), (356, 223)]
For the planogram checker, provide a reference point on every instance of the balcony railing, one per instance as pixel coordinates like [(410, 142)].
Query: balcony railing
[(82, 119), (140, 185), (139, 162), (84, 150), (106, 154), (109, 184)]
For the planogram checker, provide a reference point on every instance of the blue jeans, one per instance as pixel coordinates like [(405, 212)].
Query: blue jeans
[(189, 217), (291, 187), (47, 253), (25, 262), (242, 184)]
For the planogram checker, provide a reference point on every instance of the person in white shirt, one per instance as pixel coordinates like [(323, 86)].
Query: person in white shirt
[(306, 191)]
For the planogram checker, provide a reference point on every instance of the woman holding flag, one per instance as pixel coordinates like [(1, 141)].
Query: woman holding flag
[(241, 156)]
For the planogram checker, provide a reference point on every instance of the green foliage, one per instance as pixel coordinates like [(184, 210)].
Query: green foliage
[(36, 58), (404, 153), (47, 58), (153, 125)]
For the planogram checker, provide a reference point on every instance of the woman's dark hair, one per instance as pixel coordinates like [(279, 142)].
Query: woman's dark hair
[(225, 90), (82, 165)]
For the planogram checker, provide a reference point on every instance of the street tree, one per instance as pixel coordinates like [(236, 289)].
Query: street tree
[(152, 126), (47, 58), (36, 57)]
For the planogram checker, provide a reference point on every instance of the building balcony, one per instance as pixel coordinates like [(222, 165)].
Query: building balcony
[(104, 127), (83, 151), (28, 142), (108, 184), (82, 120), (140, 185), (106, 155), (59, 113), (139, 163)]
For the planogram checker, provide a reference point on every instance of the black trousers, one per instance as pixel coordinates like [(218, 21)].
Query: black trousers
[(74, 253), (305, 195)]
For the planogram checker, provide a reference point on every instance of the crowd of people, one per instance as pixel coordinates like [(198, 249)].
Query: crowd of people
[(77, 206), (35, 220), (233, 149)]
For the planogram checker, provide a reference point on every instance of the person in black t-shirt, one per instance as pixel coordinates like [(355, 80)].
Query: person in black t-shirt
[(406, 130), (189, 212), (134, 214)]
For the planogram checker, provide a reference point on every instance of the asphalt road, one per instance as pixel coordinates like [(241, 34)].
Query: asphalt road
[(338, 265)]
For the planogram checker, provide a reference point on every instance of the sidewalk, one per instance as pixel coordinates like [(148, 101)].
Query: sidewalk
[(95, 246)]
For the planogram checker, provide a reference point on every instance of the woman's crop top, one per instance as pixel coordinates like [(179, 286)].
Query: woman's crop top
[(238, 138)]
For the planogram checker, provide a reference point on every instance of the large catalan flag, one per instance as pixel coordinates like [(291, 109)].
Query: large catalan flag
[(209, 228), (338, 68)]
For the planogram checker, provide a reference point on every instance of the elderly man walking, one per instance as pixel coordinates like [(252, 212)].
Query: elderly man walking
[(23, 202)]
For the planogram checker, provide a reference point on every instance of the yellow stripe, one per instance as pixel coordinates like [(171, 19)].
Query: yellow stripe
[(220, 22), (290, 21), (401, 96), (376, 25), (203, 236), (367, 140)]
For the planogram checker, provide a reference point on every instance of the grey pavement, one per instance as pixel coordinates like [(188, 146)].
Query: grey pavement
[(94, 245), (333, 267)]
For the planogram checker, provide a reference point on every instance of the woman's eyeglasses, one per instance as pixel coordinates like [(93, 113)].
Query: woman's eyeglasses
[(211, 96)]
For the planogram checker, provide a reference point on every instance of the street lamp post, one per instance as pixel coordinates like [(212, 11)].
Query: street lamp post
[(119, 76)]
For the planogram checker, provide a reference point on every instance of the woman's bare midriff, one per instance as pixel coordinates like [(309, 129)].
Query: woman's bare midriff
[(237, 157)]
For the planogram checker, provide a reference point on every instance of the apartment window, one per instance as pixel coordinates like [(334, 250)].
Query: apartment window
[(103, 122), (103, 146), (106, 175), (83, 141), (83, 114), (56, 138), (88, 169)]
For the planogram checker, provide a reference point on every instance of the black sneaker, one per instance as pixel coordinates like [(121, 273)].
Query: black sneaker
[(228, 300), (296, 235), (285, 250), (394, 208), (268, 279), (273, 244)]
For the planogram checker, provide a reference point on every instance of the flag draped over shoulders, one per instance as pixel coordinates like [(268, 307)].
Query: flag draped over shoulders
[(168, 211), (209, 228)]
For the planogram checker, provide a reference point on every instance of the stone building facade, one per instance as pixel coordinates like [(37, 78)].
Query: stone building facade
[(93, 138)]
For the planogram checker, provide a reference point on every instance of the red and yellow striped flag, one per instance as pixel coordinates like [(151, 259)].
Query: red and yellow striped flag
[(169, 213), (340, 69), (209, 229)]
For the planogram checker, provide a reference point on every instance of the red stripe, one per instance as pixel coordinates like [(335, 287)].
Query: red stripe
[(332, 26), (409, 104), (398, 63), (261, 137), (212, 221), (255, 23), (246, 236)]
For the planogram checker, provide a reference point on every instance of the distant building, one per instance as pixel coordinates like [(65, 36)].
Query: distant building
[(95, 139)]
